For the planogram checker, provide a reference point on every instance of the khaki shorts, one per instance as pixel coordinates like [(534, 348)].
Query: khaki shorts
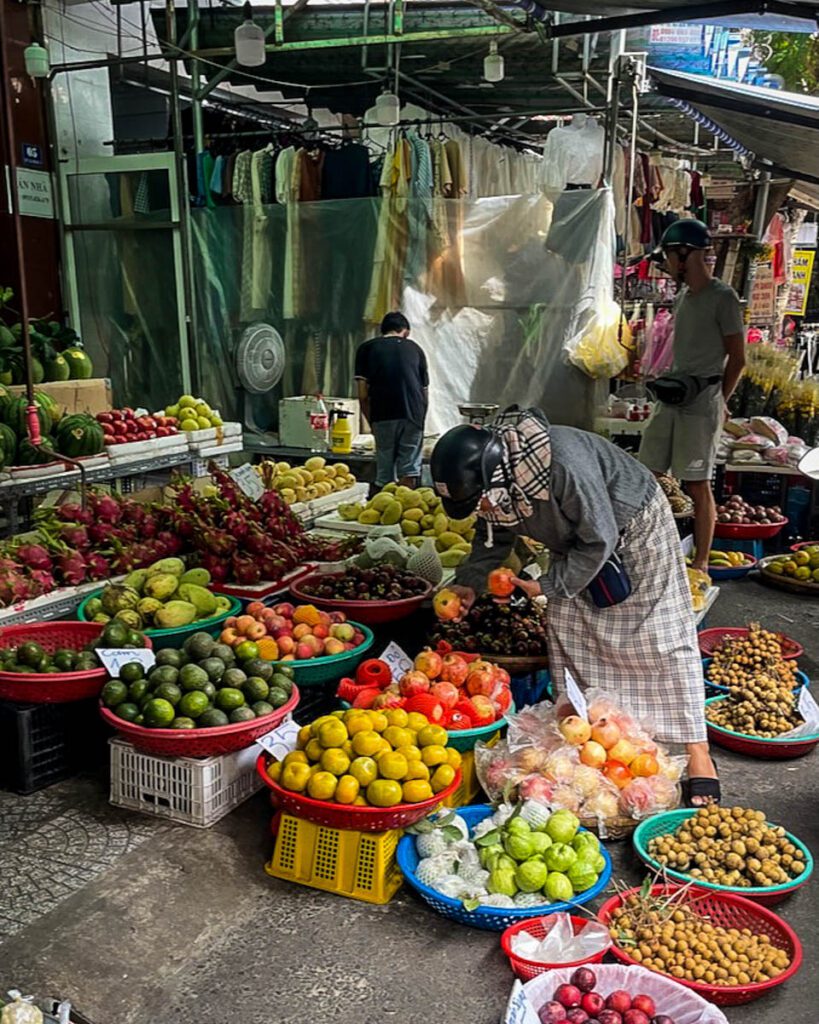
[(684, 440)]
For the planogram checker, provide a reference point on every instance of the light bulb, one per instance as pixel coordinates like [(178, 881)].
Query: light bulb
[(249, 41), (36, 60), (387, 109), (493, 64)]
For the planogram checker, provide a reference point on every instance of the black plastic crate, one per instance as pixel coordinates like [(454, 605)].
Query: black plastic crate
[(44, 743)]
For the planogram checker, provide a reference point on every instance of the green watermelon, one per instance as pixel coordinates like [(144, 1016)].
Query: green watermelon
[(8, 446), (29, 455), (18, 373), (57, 369), (14, 414), (80, 365), (79, 435), (51, 405)]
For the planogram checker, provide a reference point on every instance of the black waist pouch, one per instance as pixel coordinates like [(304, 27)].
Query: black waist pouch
[(680, 390), (611, 585)]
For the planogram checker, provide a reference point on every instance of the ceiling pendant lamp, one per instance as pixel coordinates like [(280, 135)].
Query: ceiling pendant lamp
[(36, 60), (387, 109), (493, 70), (249, 41)]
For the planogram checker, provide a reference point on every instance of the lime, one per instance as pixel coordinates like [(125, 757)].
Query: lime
[(139, 720), (114, 692), (191, 677), (255, 689), (234, 677), (183, 723), (193, 704), (199, 645), (30, 654), (169, 692), (138, 690), (286, 671), (169, 656), (209, 690), (262, 708), (189, 424), (212, 718), (224, 653), (115, 634), (64, 660), (283, 682), (127, 711), (259, 667), (159, 713), (277, 696), (214, 667), (187, 402), (130, 672), (135, 638), (229, 698), (244, 714), (247, 650)]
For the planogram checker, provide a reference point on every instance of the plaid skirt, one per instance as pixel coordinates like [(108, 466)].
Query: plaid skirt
[(643, 651)]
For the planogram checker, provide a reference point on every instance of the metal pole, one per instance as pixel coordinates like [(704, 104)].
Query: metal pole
[(196, 101), (757, 228), (617, 43), (184, 210)]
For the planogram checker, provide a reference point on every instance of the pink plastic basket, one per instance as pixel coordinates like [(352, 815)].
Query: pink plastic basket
[(540, 927)]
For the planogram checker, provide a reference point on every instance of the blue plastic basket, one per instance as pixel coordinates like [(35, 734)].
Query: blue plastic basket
[(489, 918), (670, 821), (712, 689), (736, 572)]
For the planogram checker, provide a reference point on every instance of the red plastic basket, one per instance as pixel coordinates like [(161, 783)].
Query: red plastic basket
[(804, 544), (729, 911), (749, 531), (757, 746), (371, 613), (711, 639), (223, 739), (539, 927), (360, 819), (47, 687)]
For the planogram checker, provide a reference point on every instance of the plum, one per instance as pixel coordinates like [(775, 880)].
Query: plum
[(552, 1013), (584, 978), (569, 995), (593, 1003)]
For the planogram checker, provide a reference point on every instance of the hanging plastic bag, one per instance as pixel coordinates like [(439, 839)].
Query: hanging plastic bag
[(606, 344)]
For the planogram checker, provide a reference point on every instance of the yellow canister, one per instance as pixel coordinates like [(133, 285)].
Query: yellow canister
[(341, 435)]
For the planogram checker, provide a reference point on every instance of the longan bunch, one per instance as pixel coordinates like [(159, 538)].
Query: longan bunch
[(670, 938), (767, 714), (730, 846), (755, 661)]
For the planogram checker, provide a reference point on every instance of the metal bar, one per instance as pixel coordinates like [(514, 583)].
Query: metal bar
[(757, 226), (398, 18), (278, 24), (556, 47), (120, 225), (198, 123)]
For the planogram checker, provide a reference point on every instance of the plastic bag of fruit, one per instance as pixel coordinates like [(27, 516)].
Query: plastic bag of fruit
[(671, 1002)]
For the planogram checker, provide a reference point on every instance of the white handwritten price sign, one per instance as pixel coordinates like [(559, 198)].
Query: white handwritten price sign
[(279, 742), (113, 658)]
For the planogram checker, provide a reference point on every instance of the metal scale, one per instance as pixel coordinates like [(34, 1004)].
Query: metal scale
[(478, 413)]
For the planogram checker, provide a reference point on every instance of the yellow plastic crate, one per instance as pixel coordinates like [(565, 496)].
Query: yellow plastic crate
[(360, 865)]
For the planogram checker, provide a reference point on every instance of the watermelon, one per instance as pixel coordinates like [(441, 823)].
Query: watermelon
[(14, 414), (79, 435), (18, 373), (57, 369), (8, 446), (79, 364), (29, 455), (51, 405)]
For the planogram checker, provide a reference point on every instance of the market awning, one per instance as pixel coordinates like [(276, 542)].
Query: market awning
[(780, 128), (796, 16)]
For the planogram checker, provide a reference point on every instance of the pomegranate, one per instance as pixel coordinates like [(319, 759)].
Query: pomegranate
[(644, 765), (454, 669), (501, 582), (593, 754), (480, 682), (585, 979), (575, 730), (447, 605), (623, 751), (387, 699), (412, 683), (501, 699), (593, 1003), (447, 693), (484, 709), (616, 772), (428, 662), (569, 996), (619, 1000), (644, 1003), (605, 732)]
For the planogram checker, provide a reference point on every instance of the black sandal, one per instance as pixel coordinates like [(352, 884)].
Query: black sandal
[(708, 790)]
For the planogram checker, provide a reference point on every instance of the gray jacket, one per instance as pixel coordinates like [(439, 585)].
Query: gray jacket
[(596, 490)]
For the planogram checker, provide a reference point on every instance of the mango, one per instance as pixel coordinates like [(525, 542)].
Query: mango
[(349, 513), (201, 599), (175, 614), (198, 577), (162, 586), (448, 539), (461, 526), (136, 579), (414, 514), (440, 523), (166, 566), (390, 488), (314, 463), (427, 522), (381, 502), (453, 557), (369, 516), (223, 604), (410, 528), (391, 514), (148, 607)]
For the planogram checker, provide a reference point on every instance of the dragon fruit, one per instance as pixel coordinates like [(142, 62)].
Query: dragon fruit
[(72, 568), (34, 556)]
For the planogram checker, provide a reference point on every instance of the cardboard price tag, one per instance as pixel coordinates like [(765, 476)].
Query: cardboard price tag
[(575, 695), (113, 658), (280, 741), (807, 707), (248, 481), (398, 659)]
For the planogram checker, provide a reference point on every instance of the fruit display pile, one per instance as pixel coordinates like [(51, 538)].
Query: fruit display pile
[(420, 514), (163, 596), (509, 630), (730, 846), (315, 479), (75, 435), (801, 566), (679, 501), (30, 657), (384, 582), (123, 426), (203, 685), (664, 934), (447, 688), (512, 861), (577, 1002), (192, 414), (600, 767), (737, 510), (725, 559), (369, 758), (287, 632), (57, 352)]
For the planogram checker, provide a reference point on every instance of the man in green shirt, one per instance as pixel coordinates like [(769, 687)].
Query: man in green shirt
[(709, 352)]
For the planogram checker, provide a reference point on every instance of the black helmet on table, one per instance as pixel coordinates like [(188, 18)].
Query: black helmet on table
[(691, 234), (462, 465)]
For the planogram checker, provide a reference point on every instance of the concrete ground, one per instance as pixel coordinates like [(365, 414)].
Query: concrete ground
[(137, 920)]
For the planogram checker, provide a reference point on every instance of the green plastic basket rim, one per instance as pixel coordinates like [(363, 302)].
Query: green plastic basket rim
[(673, 818), (214, 620), (756, 739), (332, 659)]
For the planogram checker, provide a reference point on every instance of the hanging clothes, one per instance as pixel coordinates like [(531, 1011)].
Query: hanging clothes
[(285, 185), (419, 210), (261, 179), (391, 242), (346, 173), (573, 155)]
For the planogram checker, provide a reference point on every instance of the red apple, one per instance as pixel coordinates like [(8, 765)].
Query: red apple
[(585, 979), (552, 1013), (304, 652), (429, 662), (633, 1016), (324, 618), (446, 693), (333, 646), (609, 1017), (286, 644), (644, 1003), (342, 631), (577, 1015), (301, 630), (285, 609), (255, 608), (592, 1003), (453, 669), (413, 682), (336, 617), (321, 631), (568, 995), (619, 1000)]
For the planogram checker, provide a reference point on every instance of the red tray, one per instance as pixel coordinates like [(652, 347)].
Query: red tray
[(539, 927), (371, 613), (360, 819), (729, 911), (223, 739), (804, 544), (264, 589), (749, 531), (710, 640), (52, 687)]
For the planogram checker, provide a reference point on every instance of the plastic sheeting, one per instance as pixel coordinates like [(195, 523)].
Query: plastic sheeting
[(520, 281)]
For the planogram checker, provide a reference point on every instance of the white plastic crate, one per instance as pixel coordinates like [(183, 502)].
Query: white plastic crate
[(190, 790)]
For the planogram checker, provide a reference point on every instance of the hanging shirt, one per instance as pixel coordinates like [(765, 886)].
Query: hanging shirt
[(346, 173), (396, 373), (572, 156)]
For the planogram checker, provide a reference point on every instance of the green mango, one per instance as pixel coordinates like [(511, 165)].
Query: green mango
[(162, 586), (165, 566), (201, 599), (198, 577), (175, 614), (136, 579)]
